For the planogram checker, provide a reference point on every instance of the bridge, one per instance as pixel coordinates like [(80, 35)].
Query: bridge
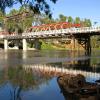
[(77, 34)]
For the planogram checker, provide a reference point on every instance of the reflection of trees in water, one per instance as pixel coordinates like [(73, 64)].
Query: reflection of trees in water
[(84, 65), (19, 79), (23, 78)]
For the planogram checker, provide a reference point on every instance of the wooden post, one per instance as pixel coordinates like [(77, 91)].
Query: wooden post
[(73, 43)]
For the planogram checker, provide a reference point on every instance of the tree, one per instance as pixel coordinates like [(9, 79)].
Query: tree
[(13, 12), (70, 19), (37, 6), (77, 20), (87, 23), (11, 25), (18, 24), (62, 18), (46, 20), (1, 19), (5, 3)]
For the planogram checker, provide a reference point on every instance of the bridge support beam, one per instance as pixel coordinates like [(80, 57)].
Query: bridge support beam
[(5, 44), (88, 45), (24, 44), (85, 43), (73, 43)]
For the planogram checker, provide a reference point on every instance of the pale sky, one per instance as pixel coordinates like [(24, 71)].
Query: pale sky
[(76, 8)]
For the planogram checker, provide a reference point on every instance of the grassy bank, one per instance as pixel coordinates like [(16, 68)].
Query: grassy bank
[(50, 46)]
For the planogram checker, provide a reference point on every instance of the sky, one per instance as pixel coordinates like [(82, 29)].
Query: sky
[(89, 9)]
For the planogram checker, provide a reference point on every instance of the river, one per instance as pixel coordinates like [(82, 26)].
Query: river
[(16, 83)]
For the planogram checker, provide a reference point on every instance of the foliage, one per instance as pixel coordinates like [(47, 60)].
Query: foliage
[(11, 25), (46, 20), (18, 25), (62, 18), (37, 6), (95, 42), (77, 20), (70, 19), (5, 3), (46, 46), (1, 18), (24, 23), (24, 78), (87, 23)]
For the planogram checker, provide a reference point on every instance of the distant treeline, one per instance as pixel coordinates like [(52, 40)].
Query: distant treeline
[(22, 24)]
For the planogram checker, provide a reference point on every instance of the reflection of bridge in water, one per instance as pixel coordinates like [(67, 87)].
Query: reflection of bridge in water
[(56, 71)]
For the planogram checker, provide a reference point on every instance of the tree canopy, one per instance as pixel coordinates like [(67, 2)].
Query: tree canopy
[(37, 6)]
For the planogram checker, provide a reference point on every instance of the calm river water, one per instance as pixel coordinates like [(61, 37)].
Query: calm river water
[(17, 83)]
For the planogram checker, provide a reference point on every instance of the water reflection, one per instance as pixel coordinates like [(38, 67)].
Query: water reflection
[(33, 74), (17, 79), (23, 78)]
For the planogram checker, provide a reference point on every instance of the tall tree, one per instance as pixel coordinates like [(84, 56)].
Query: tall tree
[(11, 25)]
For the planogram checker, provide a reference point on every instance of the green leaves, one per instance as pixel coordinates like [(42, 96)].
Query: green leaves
[(70, 19), (5, 3), (77, 20), (62, 18), (37, 6)]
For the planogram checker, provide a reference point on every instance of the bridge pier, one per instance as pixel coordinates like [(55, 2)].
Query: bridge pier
[(75, 44), (85, 43), (24, 44), (5, 44), (88, 45)]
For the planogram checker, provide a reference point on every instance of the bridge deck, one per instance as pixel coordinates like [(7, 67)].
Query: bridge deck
[(55, 33)]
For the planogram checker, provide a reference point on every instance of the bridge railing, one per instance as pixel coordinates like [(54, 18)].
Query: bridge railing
[(55, 32), (67, 31)]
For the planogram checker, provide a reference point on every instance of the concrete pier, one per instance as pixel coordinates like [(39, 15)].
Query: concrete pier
[(5, 44), (24, 44)]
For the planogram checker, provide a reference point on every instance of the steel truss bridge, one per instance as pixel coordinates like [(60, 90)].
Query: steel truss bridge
[(59, 30)]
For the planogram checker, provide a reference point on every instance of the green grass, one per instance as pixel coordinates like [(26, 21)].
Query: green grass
[(50, 46)]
